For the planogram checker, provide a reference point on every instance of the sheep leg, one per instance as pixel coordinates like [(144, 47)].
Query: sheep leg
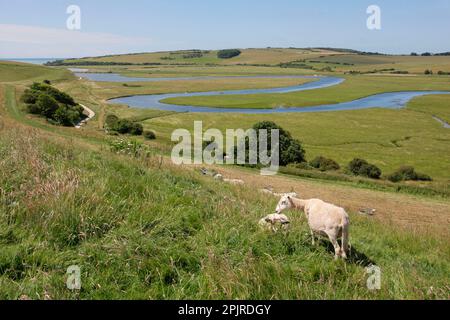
[(313, 238), (337, 248)]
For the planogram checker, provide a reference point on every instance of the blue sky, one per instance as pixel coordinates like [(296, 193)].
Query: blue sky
[(30, 28)]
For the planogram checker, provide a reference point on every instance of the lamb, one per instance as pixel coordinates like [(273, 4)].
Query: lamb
[(323, 219), (272, 219)]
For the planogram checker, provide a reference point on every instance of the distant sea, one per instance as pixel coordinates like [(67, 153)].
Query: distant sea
[(33, 60)]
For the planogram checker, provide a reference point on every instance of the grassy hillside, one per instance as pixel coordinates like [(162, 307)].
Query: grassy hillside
[(141, 228), (269, 56), (16, 71), (308, 60), (364, 63), (145, 232)]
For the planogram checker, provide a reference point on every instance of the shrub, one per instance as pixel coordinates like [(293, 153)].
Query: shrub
[(408, 173), (30, 96), (136, 129), (46, 105), (193, 55), (42, 99), (150, 135), (360, 167), (428, 72), (228, 53), (33, 109), (67, 116), (301, 166), (123, 126), (111, 121), (324, 164), (59, 96)]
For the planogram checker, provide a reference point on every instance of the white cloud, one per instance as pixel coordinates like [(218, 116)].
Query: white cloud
[(32, 41)]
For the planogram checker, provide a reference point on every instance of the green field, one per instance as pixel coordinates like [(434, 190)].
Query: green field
[(388, 138), (354, 87), (143, 232), (142, 228), (312, 59)]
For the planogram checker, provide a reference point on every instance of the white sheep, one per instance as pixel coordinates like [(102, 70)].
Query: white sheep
[(323, 219), (236, 182), (272, 220)]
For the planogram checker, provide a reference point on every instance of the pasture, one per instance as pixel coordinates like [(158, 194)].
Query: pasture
[(161, 232), (142, 228), (354, 87)]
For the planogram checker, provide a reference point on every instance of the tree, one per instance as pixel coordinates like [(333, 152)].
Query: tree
[(44, 100), (291, 150), (428, 72), (228, 53), (46, 105), (66, 116), (30, 96), (58, 95)]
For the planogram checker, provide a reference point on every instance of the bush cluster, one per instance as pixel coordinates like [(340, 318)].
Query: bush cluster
[(123, 126), (360, 167), (324, 164), (44, 100), (150, 135), (408, 173)]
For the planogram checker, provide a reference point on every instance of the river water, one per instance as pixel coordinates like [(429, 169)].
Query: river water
[(391, 100)]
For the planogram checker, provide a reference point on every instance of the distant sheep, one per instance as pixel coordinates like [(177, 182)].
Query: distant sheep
[(234, 181), (323, 219), (272, 220)]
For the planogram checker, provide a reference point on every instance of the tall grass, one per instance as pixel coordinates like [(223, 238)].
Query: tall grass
[(145, 230)]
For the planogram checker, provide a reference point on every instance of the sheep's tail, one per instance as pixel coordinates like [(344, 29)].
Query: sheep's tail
[(345, 236)]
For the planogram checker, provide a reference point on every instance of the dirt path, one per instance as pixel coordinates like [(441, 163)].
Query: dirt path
[(90, 115)]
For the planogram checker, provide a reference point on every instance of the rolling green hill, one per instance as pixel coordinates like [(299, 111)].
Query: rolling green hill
[(141, 228), (328, 60)]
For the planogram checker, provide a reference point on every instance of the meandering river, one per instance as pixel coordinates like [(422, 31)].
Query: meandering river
[(391, 100)]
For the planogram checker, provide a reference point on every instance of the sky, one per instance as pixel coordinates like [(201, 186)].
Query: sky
[(38, 29)]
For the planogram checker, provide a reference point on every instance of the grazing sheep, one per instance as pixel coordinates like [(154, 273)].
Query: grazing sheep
[(272, 219), (323, 219), (236, 182)]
